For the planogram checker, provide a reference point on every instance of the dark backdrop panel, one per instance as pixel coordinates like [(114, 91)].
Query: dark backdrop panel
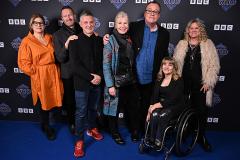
[(221, 18)]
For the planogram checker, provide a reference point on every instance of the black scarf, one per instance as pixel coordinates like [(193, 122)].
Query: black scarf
[(125, 53)]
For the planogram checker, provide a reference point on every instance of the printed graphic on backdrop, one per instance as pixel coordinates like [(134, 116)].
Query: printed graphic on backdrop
[(216, 99), (5, 109), (15, 2), (66, 2), (16, 43), (97, 23), (2, 70), (171, 4), (23, 90), (118, 3), (227, 4), (222, 50)]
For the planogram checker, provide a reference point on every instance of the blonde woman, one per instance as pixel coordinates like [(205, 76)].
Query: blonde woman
[(199, 66), (36, 59), (118, 60), (167, 100)]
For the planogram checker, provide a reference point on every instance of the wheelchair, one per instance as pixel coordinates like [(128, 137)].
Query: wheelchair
[(180, 135)]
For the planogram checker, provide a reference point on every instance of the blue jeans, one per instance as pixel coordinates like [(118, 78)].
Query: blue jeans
[(86, 109)]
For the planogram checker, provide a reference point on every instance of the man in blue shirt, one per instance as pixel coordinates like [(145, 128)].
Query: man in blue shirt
[(150, 44)]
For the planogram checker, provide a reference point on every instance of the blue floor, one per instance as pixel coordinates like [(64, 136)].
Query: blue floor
[(25, 141)]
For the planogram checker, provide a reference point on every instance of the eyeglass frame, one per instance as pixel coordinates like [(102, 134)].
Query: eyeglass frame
[(152, 12), (38, 23)]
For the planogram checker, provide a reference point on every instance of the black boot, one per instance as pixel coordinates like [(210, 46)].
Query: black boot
[(118, 139), (203, 142), (71, 128), (50, 132), (135, 136)]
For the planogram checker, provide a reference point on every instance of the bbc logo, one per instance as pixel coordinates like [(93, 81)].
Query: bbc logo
[(110, 24), (199, 2), (170, 25), (4, 90), (212, 120), (96, 1), (143, 1), (223, 27), (17, 70), (17, 22), (221, 78), (25, 110), (1, 44)]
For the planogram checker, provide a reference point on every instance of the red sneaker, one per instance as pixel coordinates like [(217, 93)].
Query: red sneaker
[(78, 151), (95, 134)]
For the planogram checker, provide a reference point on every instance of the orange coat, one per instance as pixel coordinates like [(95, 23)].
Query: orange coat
[(37, 61)]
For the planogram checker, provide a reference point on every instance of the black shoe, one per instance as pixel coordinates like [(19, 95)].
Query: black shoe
[(158, 145), (118, 139), (203, 142), (50, 132), (71, 128), (135, 137)]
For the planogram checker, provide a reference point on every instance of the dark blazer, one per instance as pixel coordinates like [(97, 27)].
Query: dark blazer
[(173, 97), (136, 31), (85, 57), (62, 54)]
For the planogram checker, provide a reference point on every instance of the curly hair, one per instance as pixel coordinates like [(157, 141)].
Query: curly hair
[(203, 33)]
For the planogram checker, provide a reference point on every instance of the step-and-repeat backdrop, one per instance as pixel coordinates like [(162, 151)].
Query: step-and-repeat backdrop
[(221, 17)]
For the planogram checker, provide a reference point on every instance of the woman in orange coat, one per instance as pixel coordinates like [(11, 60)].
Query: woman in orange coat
[(36, 59)]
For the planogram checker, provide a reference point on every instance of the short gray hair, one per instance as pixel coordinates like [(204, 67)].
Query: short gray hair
[(85, 13), (120, 14)]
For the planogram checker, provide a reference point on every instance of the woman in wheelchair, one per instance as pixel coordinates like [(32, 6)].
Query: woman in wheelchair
[(167, 102)]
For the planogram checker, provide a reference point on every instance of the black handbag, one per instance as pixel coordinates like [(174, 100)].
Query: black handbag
[(124, 79)]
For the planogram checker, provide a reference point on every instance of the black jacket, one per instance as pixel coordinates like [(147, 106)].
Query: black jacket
[(62, 54), (85, 57), (136, 31), (173, 96)]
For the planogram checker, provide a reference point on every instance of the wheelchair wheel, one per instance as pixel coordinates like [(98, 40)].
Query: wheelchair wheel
[(187, 133)]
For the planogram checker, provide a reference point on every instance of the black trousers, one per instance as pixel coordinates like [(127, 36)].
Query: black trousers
[(69, 99), (145, 92), (198, 101), (159, 120), (129, 102)]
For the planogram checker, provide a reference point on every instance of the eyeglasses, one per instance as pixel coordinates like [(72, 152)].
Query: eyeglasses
[(38, 23), (152, 12)]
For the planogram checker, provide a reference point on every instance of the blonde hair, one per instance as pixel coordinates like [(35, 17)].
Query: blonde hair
[(203, 33), (120, 14), (34, 16), (172, 61)]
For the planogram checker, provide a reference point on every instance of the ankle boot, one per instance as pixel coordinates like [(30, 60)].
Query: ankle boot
[(49, 132), (203, 142)]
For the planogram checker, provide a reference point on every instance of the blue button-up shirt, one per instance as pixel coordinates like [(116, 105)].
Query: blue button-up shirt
[(145, 57)]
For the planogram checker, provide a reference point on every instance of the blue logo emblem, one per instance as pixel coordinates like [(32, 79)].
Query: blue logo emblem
[(216, 99), (170, 49), (66, 2), (97, 23), (5, 109), (118, 3), (2, 70), (16, 43), (23, 90), (227, 4), (15, 2), (222, 50), (171, 4)]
